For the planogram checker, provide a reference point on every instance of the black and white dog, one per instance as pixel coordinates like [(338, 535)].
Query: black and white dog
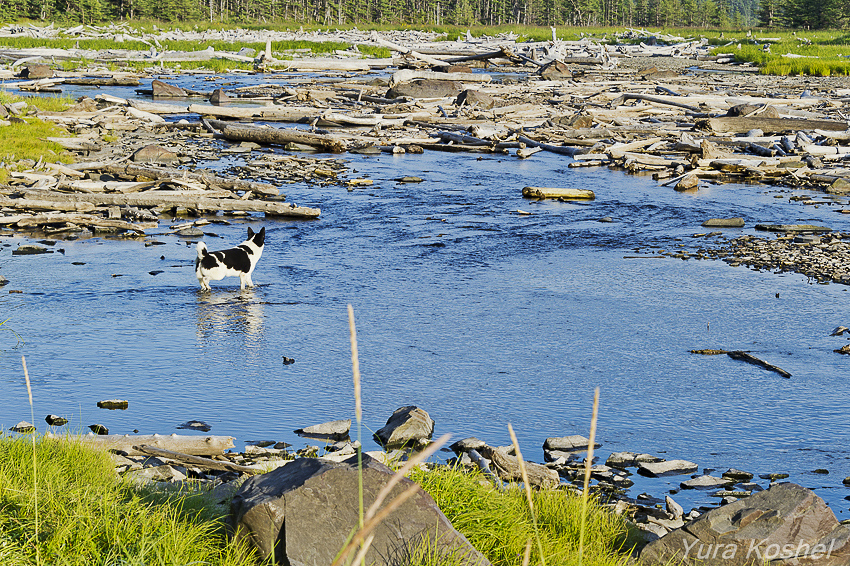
[(238, 262)]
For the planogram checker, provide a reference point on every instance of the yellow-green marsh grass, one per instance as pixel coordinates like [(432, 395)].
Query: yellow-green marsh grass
[(27, 141), (87, 515), (499, 524)]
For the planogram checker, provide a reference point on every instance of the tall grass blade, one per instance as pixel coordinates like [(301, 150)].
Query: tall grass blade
[(358, 409), (524, 473), (587, 465), (34, 462)]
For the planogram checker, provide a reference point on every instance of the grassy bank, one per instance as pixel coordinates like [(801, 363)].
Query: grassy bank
[(87, 515), (26, 140)]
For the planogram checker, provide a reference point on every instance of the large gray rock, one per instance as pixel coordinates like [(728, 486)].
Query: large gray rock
[(786, 525), (165, 90), (407, 426), (427, 88), (572, 443), (303, 513), (334, 430), (155, 154), (666, 468)]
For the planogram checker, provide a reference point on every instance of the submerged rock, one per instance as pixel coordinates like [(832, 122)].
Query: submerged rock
[(23, 426)]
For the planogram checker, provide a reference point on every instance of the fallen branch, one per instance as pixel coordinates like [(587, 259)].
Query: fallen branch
[(194, 460), (745, 357)]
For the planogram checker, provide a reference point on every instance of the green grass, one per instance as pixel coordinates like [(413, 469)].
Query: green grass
[(27, 140), (823, 53), (500, 525), (88, 516)]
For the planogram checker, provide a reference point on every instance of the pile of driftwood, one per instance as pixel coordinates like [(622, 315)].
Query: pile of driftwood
[(654, 115)]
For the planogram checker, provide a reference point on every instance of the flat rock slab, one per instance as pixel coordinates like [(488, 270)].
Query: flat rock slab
[(31, 249), (706, 482), (426, 88), (630, 459), (666, 468), (786, 525), (304, 512), (572, 443), (335, 430)]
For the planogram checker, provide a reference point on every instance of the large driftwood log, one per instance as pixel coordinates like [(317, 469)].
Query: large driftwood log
[(407, 75), (193, 445), (507, 467), (197, 201), (277, 136), (558, 192), (653, 99), (45, 204), (268, 113), (560, 149), (206, 177), (738, 124), (195, 460), (86, 220)]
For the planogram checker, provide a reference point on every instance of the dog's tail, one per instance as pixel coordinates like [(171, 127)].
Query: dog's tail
[(202, 250)]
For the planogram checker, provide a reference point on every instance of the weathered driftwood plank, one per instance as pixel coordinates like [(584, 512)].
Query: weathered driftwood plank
[(193, 445), (85, 219), (407, 75), (45, 204), (653, 99), (206, 463), (560, 149), (208, 178), (195, 201), (745, 357), (507, 468), (278, 136), (738, 124), (269, 113), (558, 192)]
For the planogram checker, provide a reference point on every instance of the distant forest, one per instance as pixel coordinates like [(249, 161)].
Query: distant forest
[(799, 14)]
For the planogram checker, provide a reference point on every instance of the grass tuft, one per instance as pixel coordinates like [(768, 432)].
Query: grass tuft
[(499, 524), (86, 515)]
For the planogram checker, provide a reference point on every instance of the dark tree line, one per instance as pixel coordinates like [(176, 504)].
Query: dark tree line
[(805, 14), (814, 14)]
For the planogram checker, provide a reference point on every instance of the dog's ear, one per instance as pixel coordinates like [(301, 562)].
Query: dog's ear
[(250, 233), (261, 236)]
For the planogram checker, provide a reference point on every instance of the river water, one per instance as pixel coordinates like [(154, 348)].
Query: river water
[(479, 315)]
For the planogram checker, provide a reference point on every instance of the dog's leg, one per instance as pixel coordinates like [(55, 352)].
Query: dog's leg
[(242, 281), (249, 280)]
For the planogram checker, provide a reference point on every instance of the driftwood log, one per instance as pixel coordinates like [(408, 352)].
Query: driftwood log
[(210, 179), (197, 201), (193, 445), (195, 460), (277, 136), (745, 357), (507, 468), (558, 192)]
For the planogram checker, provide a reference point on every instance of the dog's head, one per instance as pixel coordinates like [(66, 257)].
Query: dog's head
[(257, 238)]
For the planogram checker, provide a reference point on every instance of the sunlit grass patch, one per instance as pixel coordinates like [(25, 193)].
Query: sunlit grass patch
[(87, 515), (500, 525), (27, 141)]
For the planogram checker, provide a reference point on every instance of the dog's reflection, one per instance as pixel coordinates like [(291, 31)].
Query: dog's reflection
[(224, 314)]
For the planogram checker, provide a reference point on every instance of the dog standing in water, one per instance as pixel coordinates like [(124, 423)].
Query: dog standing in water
[(237, 262)]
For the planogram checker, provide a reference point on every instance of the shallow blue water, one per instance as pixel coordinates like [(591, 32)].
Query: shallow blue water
[(477, 314)]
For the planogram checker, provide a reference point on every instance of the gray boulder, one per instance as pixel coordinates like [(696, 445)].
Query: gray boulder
[(666, 468), (427, 88), (155, 154), (332, 430), (573, 443), (407, 426), (471, 97), (165, 90), (303, 513), (786, 525)]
